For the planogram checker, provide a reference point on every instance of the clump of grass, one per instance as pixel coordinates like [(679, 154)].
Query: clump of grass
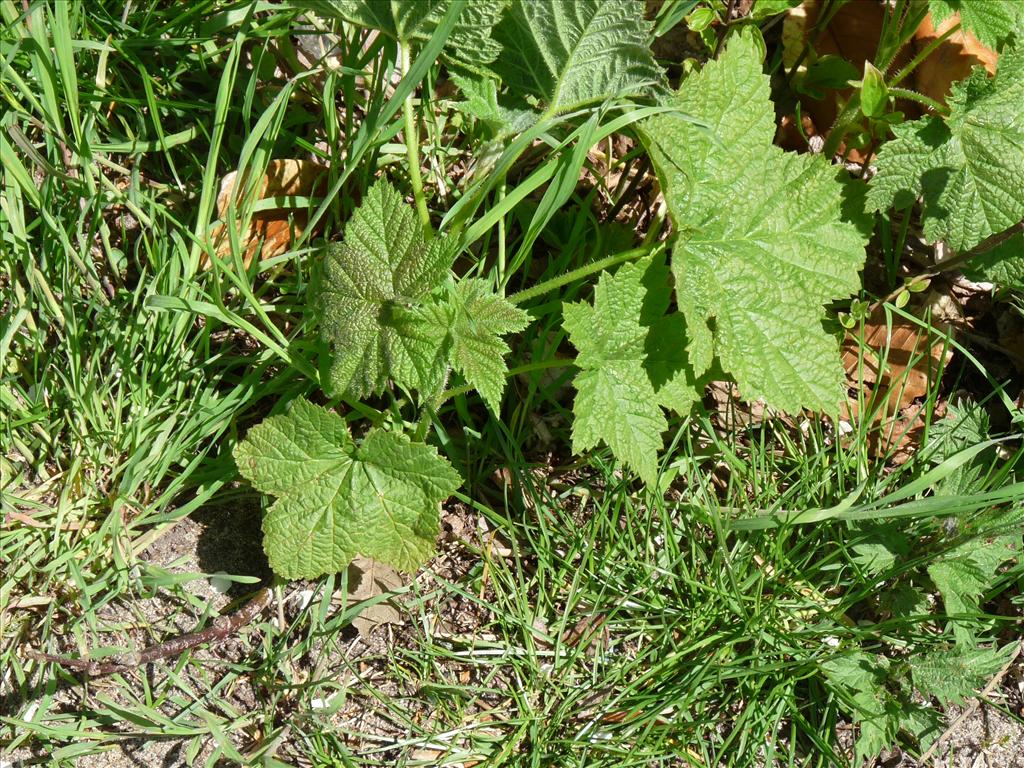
[(605, 623)]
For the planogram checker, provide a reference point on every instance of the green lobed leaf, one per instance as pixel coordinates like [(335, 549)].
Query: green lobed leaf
[(863, 677), (628, 368), (964, 574), (965, 424), (1003, 265), (374, 283), (952, 675), (337, 499), (762, 245), (477, 349), (563, 54), (969, 168), (991, 21)]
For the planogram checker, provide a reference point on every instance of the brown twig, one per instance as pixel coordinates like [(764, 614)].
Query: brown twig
[(221, 627)]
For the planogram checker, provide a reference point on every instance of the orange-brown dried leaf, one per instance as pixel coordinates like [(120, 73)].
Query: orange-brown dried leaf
[(951, 61), (271, 231), (892, 363)]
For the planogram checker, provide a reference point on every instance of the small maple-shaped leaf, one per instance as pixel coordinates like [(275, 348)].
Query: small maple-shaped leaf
[(968, 167), (383, 271), (632, 363), (478, 351), (337, 498)]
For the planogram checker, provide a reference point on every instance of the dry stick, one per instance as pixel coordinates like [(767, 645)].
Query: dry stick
[(221, 627), (973, 706)]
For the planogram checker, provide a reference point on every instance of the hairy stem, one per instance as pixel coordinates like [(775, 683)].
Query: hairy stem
[(932, 104)]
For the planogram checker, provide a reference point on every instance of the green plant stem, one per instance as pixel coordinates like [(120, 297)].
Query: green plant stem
[(555, 362), (906, 93), (412, 144), (589, 269), (924, 54)]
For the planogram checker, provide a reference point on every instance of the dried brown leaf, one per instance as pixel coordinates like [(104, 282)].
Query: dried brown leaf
[(367, 579), (271, 231), (893, 362)]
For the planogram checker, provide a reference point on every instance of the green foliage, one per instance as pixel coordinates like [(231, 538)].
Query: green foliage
[(469, 43), (337, 498), (1003, 264), (953, 674), (962, 576), (477, 349), (377, 289), (968, 167), (622, 385), (965, 424), (761, 245), (560, 55), (991, 21)]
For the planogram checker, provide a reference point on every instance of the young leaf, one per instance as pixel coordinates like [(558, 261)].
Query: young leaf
[(953, 675), (477, 349), (969, 167), (564, 54), (337, 498), (383, 269), (615, 400), (862, 677), (991, 21), (965, 573), (761, 245), (874, 95)]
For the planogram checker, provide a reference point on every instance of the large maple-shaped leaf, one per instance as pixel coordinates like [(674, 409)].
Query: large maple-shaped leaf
[(627, 367), (969, 167), (563, 54), (761, 244), (382, 270), (991, 21), (337, 498)]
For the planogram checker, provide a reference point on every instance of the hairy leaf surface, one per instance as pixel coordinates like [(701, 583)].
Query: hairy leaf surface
[(382, 271), (631, 363), (761, 245), (953, 675), (337, 498), (964, 574), (470, 42), (991, 21), (1004, 264), (969, 168), (478, 352), (563, 54)]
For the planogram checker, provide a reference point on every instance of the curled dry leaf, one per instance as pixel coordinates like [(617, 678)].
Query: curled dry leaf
[(892, 363), (272, 230)]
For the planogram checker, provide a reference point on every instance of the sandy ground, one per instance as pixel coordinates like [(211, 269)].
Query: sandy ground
[(223, 540)]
